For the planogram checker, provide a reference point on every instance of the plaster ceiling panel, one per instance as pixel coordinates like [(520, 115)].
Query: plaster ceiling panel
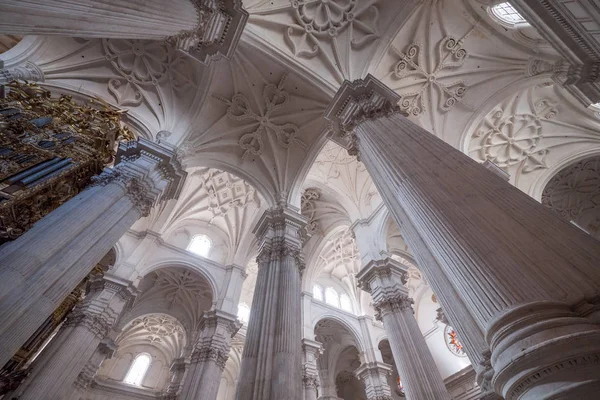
[(532, 132), (341, 173), (159, 330), (158, 86), (333, 39), (175, 291), (259, 122), (220, 201), (445, 65)]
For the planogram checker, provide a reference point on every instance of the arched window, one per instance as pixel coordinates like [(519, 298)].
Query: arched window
[(138, 370), (200, 244), (345, 302), (331, 297), (318, 292), (244, 312), (506, 13)]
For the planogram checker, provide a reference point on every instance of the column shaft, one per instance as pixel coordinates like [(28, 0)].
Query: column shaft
[(529, 279), (271, 362), (40, 268), (134, 19), (385, 279), (57, 369), (209, 356)]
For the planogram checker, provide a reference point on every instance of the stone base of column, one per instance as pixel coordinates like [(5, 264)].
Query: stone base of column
[(566, 356)]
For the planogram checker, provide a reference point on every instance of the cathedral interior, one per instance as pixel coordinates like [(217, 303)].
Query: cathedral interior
[(299, 199)]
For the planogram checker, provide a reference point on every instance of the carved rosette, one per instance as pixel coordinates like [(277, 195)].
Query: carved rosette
[(358, 101)]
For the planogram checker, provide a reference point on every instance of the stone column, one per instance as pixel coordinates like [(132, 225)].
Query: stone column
[(529, 279), (385, 280), (209, 356), (271, 361), (374, 376), (202, 28), (44, 265), (310, 370), (59, 365), (178, 369), (105, 349)]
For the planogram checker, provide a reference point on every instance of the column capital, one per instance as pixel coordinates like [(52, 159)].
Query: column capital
[(29, 71), (220, 26), (357, 101), (280, 232), (148, 171), (374, 375), (217, 328)]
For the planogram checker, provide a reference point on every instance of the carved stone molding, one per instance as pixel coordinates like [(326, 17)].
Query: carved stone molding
[(220, 26), (356, 102), (29, 72), (279, 231), (210, 352), (390, 302)]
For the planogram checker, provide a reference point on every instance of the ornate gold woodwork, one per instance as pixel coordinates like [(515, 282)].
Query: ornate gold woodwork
[(50, 147)]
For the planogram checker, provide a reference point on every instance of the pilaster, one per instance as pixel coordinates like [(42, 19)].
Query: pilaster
[(209, 356), (519, 271), (374, 376), (310, 372), (272, 358)]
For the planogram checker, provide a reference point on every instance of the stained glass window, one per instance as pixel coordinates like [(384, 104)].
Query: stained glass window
[(507, 13), (138, 370), (200, 244), (454, 345)]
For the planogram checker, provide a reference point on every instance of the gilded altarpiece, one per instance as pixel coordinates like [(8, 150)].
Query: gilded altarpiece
[(50, 147)]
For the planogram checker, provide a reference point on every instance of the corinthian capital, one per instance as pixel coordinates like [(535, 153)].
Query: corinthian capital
[(220, 26), (356, 102), (279, 231)]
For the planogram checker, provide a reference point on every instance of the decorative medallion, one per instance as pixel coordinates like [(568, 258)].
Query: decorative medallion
[(413, 65), (453, 343), (263, 122)]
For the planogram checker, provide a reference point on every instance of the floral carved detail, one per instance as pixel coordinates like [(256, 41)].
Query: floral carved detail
[(275, 98), (210, 352), (391, 302), (412, 65), (159, 327), (137, 192), (317, 20), (308, 207), (142, 63), (181, 287), (575, 190), (514, 139)]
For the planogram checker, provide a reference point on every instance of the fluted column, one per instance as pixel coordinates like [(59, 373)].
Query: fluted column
[(105, 349), (202, 28), (310, 372), (385, 280), (374, 376), (271, 361), (529, 279), (66, 356), (209, 356), (40, 268)]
